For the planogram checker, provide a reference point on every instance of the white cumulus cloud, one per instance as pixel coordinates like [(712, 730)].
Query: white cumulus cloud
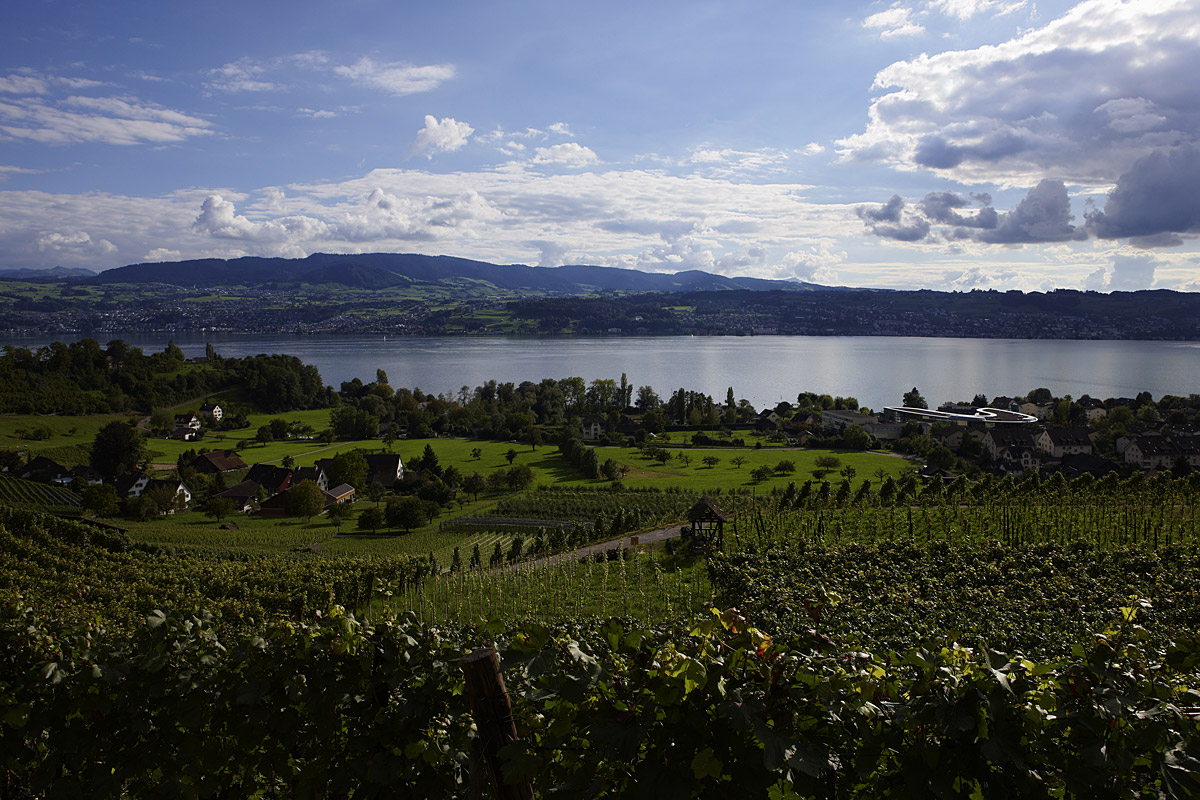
[(1080, 98), (441, 136)]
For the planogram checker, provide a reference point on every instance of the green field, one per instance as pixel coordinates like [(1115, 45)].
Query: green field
[(23, 432)]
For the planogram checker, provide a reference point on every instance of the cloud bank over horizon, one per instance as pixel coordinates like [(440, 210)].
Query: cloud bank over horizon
[(1005, 144)]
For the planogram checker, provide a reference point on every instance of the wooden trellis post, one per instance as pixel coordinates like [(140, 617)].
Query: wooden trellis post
[(493, 720)]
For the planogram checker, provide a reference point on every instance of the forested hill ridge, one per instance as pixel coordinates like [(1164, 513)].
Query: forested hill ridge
[(440, 295), (380, 270)]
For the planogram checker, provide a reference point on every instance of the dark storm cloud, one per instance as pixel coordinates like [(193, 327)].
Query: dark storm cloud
[(1158, 196), (888, 212), (914, 231), (941, 208), (888, 222), (936, 153), (1043, 215)]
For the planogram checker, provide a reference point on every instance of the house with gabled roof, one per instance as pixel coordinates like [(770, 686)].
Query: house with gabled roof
[(42, 468), (384, 469), (211, 411), (88, 475), (998, 439), (216, 461), (593, 427), (1151, 451), (1188, 447), (132, 484), (1061, 440), (342, 493), (272, 478), (244, 495), (316, 474)]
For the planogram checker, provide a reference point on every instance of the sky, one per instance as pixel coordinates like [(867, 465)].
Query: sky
[(939, 144)]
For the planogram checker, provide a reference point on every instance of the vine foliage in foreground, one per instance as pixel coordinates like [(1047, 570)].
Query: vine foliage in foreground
[(338, 708)]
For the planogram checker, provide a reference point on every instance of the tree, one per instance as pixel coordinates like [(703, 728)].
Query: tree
[(218, 508), (142, 507), (407, 513), (711, 461), (914, 399), (1039, 395), (161, 422), (519, 477), (684, 459), (785, 467), (165, 497), (370, 519), (473, 484), (856, 437), (339, 513), (436, 491), (940, 457), (610, 470), (349, 467), (828, 462), (102, 500), (429, 462), (117, 450), (10, 460), (305, 499), (760, 474), (510, 455), (477, 453), (737, 461)]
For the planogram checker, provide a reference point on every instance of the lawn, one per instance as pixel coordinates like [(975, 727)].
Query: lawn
[(65, 434), (725, 475)]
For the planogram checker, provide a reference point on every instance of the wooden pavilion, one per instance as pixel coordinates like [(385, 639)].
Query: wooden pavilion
[(708, 523)]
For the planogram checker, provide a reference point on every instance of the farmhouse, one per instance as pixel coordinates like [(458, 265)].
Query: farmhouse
[(217, 461)]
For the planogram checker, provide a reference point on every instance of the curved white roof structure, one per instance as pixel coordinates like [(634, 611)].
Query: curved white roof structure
[(980, 415)]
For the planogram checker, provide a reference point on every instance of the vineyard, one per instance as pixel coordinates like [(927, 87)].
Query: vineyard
[(993, 639), (639, 587), (31, 494), (81, 573)]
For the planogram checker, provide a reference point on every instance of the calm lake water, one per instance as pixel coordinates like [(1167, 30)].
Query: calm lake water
[(765, 369)]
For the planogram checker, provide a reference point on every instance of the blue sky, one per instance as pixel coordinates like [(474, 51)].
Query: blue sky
[(944, 144)]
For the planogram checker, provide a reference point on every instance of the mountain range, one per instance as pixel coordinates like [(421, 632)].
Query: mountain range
[(384, 270)]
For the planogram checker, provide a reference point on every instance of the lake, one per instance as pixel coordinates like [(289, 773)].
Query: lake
[(876, 370)]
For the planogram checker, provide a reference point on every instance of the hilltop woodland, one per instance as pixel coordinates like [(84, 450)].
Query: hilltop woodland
[(85, 378), (859, 633)]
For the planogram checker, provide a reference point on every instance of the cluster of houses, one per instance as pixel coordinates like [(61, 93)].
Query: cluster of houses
[(266, 486), (263, 490), (131, 485), (1010, 448), (187, 426)]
